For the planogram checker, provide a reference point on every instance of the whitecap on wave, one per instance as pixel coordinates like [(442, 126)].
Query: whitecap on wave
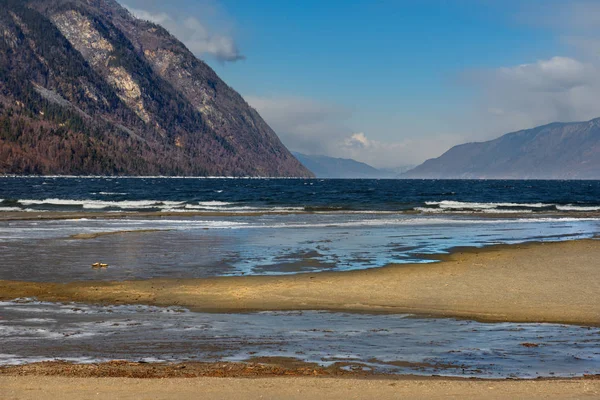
[(144, 205), (460, 206)]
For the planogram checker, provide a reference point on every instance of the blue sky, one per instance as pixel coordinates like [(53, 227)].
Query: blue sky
[(395, 82)]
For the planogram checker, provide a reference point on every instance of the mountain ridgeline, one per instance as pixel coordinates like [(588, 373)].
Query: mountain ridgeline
[(554, 151), (86, 88)]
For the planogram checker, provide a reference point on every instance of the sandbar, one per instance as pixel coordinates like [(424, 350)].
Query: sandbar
[(537, 282)]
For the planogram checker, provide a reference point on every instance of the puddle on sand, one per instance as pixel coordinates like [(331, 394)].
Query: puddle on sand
[(33, 331)]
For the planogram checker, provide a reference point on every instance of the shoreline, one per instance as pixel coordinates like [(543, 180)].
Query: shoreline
[(87, 236), (555, 282), (258, 367), (67, 215), (253, 368)]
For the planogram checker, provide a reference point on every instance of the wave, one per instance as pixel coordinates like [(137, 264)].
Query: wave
[(458, 206), (219, 206), (470, 211), (213, 203), (571, 207), (449, 204), (9, 209), (137, 205), (102, 204), (370, 222)]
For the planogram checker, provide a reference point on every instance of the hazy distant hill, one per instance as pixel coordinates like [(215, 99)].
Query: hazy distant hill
[(554, 151), (86, 88), (397, 171), (330, 167)]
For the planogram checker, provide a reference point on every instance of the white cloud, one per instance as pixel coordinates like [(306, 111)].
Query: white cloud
[(358, 141), (562, 87), (304, 125), (528, 95), (194, 34), (557, 74), (386, 154)]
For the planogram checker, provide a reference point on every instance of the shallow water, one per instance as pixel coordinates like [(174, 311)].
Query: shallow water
[(273, 244), (34, 331)]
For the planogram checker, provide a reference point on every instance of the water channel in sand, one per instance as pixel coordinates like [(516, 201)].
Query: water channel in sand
[(33, 331)]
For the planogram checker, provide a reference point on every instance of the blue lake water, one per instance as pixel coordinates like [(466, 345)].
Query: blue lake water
[(197, 194)]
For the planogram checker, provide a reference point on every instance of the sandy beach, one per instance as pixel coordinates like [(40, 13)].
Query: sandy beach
[(272, 379), (538, 282), (220, 199), (23, 388)]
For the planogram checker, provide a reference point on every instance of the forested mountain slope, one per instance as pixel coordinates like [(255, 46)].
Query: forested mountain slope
[(86, 88)]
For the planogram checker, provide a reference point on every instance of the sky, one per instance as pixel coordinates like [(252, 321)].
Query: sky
[(393, 83)]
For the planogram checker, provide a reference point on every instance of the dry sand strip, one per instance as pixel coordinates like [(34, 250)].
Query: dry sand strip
[(19, 387), (539, 282)]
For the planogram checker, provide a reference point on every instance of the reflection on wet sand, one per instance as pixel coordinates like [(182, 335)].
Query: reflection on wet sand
[(141, 248)]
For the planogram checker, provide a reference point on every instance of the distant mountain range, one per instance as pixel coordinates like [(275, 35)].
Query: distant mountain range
[(344, 168), (86, 88), (554, 151)]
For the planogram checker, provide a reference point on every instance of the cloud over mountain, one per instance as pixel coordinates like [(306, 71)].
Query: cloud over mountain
[(194, 34), (563, 87)]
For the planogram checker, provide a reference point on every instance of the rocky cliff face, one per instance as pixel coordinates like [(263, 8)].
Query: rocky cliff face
[(555, 151), (106, 93)]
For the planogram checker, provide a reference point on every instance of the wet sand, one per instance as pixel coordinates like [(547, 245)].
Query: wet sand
[(19, 387), (539, 282), (257, 367), (270, 379)]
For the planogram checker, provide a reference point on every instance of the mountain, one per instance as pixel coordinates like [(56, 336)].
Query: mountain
[(554, 151), (86, 88), (343, 168)]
